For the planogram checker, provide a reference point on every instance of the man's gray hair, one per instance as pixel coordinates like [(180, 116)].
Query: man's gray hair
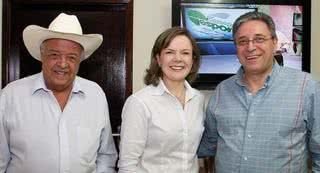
[(254, 15)]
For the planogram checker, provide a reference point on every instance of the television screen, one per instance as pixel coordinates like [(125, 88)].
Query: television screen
[(211, 23)]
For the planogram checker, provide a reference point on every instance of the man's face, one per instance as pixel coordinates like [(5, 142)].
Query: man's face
[(255, 47), (60, 63)]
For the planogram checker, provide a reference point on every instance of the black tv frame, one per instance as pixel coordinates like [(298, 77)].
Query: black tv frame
[(210, 81)]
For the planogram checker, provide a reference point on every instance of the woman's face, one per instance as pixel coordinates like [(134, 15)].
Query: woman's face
[(176, 60)]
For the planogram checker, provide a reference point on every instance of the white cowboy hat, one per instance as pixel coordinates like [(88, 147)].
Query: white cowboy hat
[(65, 27)]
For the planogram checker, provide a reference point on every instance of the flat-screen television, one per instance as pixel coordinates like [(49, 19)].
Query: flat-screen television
[(210, 23)]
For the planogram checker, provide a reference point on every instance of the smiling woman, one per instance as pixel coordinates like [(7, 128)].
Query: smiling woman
[(163, 41), (176, 60), (162, 124)]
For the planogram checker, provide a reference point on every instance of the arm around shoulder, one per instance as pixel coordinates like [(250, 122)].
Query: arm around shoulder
[(208, 142)]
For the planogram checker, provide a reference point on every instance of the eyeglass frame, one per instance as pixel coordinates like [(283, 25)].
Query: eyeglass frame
[(255, 41)]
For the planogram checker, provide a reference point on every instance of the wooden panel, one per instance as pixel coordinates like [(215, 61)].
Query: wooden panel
[(110, 66)]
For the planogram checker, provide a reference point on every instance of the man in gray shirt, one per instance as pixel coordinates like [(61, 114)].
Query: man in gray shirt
[(264, 119)]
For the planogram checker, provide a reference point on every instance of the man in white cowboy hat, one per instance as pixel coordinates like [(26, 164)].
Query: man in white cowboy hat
[(55, 121)]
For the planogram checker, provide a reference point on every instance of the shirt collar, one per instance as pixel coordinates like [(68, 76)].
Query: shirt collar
[(161, 89), (275, 71), (40, 85)]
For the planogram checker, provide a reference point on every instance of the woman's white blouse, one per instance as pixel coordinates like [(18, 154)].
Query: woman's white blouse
[(158, 135)]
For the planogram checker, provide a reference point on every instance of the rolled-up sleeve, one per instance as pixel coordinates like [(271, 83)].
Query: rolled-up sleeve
[(133, 134), (209, 139)]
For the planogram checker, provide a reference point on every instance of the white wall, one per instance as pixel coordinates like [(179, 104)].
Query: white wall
[(315, 38), (150, 18)]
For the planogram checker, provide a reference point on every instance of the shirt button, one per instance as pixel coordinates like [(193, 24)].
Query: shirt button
[(249, 136), (245, 158)]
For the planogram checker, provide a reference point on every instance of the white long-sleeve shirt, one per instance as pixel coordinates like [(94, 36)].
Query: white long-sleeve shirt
[(37, 137), (158, 135)]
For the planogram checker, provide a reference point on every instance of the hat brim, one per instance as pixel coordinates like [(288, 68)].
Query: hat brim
[(34, 35)]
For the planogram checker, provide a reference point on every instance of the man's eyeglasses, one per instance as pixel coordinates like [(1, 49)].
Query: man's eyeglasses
[(255, 41)]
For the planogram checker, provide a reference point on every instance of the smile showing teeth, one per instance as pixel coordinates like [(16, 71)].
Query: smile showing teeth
[(176, 67), (252, 57), (60, 72)]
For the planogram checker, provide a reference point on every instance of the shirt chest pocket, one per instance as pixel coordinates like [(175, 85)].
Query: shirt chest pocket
[(292, 122)]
